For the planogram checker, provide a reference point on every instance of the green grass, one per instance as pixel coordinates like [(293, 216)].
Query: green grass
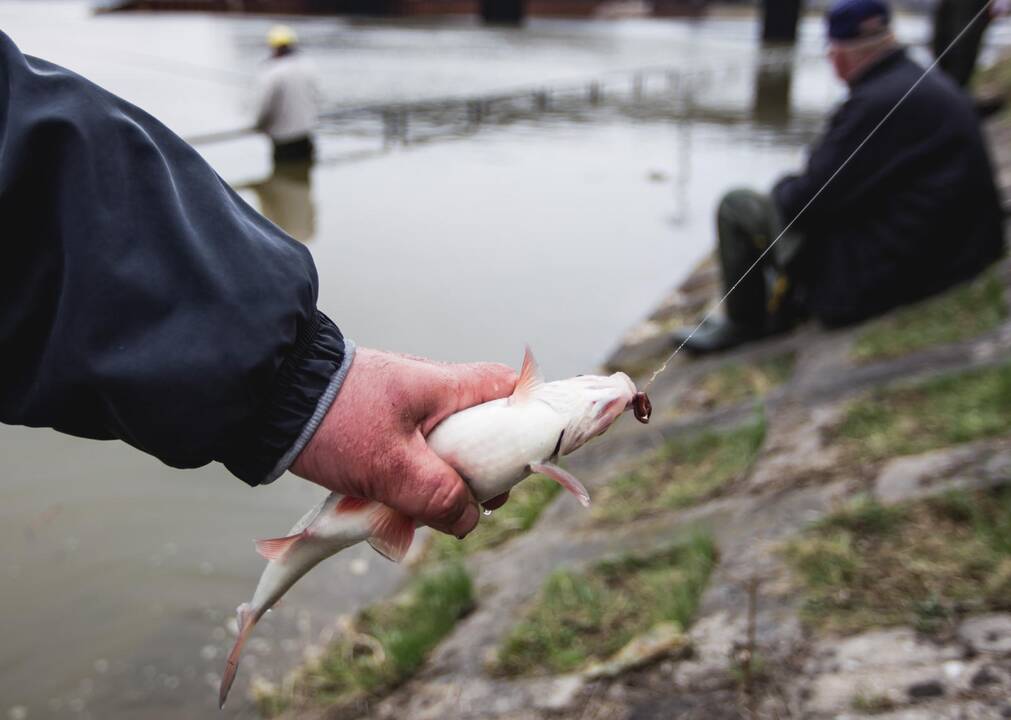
[(736, 383), (923, 564), (911, 419), (585, 616), (526, 502), (959, 314), (683, 472), (390, 642)]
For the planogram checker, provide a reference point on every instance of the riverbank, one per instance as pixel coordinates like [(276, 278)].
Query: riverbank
[(853, 487)]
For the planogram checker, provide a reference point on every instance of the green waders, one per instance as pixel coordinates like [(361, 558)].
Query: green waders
[(766, 298)]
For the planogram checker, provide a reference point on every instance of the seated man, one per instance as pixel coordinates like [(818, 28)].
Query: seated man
[(883, 215)]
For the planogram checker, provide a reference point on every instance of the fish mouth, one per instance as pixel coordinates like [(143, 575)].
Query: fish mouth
[(642, 408)]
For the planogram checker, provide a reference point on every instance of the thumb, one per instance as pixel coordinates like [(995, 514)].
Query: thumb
[(467, 384), (433, 493)]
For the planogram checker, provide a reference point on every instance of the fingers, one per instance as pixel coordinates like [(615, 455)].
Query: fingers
[(432, 493), (464, 385), (481, 382), (496, 502)]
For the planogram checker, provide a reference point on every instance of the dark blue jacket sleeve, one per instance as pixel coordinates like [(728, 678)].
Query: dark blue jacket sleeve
[(142, 299)]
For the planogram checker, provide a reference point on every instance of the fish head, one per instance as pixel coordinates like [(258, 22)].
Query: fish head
[(596, 402)]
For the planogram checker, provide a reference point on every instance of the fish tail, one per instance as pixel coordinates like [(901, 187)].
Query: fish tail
[(246, 620)]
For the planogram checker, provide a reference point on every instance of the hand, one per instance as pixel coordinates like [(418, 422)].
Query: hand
[(371, 443)]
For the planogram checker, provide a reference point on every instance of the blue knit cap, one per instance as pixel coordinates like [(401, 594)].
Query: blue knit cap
[(854, 19)]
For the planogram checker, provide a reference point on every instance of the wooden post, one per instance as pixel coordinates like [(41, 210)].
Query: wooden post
[(475, 112), (503, 11), (772, 93), (779, 20)]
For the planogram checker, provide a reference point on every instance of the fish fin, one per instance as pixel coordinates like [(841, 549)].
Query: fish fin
[(392, 533), (351, 504), (277, 548), (564, 478), (246, 620), (530, 378)]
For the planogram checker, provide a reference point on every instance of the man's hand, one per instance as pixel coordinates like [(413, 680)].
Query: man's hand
[(371, 442)]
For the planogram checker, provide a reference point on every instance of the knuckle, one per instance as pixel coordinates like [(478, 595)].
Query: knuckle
[(446, 502), (453, 384)]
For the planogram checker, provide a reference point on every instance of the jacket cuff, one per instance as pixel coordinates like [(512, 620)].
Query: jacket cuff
[(306, 385)]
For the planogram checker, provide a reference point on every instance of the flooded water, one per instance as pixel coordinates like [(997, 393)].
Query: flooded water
[(459, 229)]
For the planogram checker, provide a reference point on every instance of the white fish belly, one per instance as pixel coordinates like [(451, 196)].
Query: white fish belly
[(492, 444), (331, 533)]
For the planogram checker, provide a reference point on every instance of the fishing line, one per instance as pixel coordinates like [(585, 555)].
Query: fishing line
[(845, 162)]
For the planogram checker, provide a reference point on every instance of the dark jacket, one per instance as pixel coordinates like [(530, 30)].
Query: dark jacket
[(914, 211), (142, 299)]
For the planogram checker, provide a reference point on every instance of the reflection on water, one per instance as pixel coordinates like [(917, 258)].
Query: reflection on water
[(564, 177), (286, 199), (772, 93), (657, 95)]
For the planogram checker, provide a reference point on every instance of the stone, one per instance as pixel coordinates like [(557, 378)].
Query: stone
[(561, 693), (906, 478), (833, 694), (891, 664), (661, 641), (985, 676), (881, 648), (925, 689), (795, 449), (989, 634)]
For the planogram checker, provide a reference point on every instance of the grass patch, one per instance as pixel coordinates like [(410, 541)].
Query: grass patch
[(959, 314), (584, 616), (923, 564), (947, 410), (389, 643), (872, 704), (683, 472), (526, 502), (736, 383)]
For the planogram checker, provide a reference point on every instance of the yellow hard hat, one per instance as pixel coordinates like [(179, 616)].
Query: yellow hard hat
[(281, 36)]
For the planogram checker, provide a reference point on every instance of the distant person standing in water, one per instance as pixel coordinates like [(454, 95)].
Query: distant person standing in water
[(288, 99)]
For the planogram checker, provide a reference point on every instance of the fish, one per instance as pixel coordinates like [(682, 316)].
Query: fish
[(496, 444), (493, 446)]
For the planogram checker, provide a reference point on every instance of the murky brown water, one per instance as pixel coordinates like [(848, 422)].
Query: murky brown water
[(557, 226)]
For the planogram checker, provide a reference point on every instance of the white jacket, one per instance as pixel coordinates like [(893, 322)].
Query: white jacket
[(288, 98)]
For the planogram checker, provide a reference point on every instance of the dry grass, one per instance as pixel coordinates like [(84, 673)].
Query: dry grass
[(736, 383), (924, 564), (683, 472)]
